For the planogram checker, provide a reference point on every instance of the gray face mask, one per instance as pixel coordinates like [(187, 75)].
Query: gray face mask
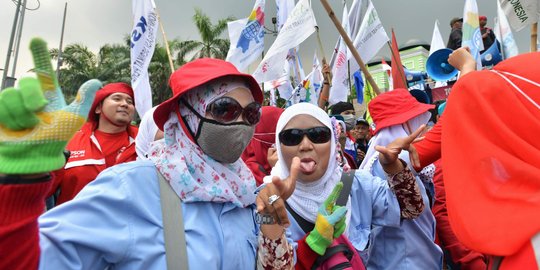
[(349, 120), (223, 142)]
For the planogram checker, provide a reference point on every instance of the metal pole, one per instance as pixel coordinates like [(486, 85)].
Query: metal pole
[(19, 35), (10, 46), (60, 48)]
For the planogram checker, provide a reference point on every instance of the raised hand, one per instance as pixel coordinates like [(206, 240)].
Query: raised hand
[(282, 188), (35, 123), (388, 155), (330, 223)]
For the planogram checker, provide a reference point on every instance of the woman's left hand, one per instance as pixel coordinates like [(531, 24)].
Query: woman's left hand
[(388, 155), (282, 188)]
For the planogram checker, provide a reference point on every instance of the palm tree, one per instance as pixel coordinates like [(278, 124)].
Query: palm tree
[(211, 43)]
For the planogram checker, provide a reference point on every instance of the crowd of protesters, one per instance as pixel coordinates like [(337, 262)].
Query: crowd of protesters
[(305, 187)]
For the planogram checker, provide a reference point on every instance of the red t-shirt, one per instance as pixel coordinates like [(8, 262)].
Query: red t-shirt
[(112, 145)]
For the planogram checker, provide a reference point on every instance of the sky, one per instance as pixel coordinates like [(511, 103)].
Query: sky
[(98, 22)]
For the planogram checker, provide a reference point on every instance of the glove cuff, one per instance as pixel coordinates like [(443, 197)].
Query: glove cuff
[(31, 158), (317, 242)]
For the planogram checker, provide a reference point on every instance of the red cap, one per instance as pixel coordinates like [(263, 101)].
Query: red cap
[(106, 91), (395, 107), (197, 73), (482, 18)]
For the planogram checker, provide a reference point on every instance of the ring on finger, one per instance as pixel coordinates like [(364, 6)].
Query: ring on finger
[(272, 199)]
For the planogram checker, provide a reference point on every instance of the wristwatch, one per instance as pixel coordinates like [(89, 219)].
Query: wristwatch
[(264, 219)]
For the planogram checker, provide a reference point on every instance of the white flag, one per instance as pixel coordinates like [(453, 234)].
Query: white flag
[(521, 13), (299, 26), (504, 35), (284, 8), (371, 37), (472, 37), (340, 80), (143, 42), (355, 18), (437, 42), (249, 45)]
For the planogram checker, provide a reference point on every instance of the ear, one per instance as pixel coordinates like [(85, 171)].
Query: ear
[(98, 108)]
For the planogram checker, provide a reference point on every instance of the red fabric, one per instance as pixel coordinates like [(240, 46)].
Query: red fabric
[(72, 180), (305, 256), (491, 156), (20, 206), (459, 254), (398, 73), (524, 259), (395, 107), (350, 160), (256, 153), (429, 149), (112, 145), (104, 92), (197, 73)]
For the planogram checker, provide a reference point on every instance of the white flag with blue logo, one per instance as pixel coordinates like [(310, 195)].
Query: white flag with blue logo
[(250, 44), (504, 34), (472, 37), (298, 27), (143, 42)]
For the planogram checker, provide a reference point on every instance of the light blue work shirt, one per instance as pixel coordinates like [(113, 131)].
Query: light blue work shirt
[(409, 246), (371, 202), (116, 222)]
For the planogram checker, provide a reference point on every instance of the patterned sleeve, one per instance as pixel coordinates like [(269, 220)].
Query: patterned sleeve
[(274, 254), (407, 191)]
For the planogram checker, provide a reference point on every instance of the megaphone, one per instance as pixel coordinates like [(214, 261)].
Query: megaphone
[(491, 56), (437, 65), (421, 95), (414, 76)]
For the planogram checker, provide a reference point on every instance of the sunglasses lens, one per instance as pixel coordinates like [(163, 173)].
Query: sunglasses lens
[(225, 109), (291, 137), (319, 134), (252, 113)]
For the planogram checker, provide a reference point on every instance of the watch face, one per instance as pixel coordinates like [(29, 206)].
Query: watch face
[(264, 219)]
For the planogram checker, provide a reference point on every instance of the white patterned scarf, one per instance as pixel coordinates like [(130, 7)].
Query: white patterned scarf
[(194, 176)]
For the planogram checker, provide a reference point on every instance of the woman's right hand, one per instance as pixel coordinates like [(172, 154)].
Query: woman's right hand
[(283, 189)]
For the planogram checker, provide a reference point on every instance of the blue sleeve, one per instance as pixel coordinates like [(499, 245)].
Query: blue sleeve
[(372, 203), (91, 231)]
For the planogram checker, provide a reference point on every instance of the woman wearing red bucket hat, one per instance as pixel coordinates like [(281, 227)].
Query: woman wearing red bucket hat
[(397, 114), (116, 221)]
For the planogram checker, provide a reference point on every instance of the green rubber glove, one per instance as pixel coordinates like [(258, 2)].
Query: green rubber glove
[(35, 123), (328, 217)]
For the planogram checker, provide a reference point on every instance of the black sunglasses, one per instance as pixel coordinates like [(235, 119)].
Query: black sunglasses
[(293, 136), (227, 109)]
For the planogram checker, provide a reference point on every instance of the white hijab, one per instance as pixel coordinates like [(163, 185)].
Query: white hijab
[(307, 197), (387, 135), (147, 133)]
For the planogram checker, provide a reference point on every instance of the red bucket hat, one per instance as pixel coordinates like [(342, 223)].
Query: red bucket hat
[(197, 73), (106, 91), (395, 107)]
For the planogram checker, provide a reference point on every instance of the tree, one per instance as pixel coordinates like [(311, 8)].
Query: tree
[(211, 43)]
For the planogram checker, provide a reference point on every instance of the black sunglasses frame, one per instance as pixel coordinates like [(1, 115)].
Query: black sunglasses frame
[(247, 112), (294, 136)]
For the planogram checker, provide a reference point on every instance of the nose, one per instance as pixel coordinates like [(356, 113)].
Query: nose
[(305, 144)]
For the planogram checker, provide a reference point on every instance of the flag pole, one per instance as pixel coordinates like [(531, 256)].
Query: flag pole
[(350, 45), (165, 41), (534, 37), (326, 75)]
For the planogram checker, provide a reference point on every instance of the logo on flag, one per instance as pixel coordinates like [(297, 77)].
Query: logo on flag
[(253, 30)]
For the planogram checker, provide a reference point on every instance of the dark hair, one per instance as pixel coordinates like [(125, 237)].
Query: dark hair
[(340, 107)]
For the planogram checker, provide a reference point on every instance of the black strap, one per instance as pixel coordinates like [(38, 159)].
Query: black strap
[(347, 179), (331, 251), (304, 224)]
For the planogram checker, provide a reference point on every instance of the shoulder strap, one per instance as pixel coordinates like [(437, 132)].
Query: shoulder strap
[(347, 179), (302, 222), (173, 227)]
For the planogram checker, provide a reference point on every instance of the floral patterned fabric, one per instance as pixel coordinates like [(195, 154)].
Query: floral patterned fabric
[(274, 254), (407, 192), (193, 175)]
